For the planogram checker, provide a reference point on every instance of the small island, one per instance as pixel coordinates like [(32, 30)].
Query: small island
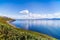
[(9, 32)]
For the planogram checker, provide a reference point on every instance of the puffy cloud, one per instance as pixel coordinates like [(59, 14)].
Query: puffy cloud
[(29, 15), (24, 12)]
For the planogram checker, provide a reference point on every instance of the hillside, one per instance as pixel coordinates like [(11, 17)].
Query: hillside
[(8, 32)]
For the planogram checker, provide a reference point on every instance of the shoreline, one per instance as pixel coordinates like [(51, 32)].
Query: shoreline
[(10, 23)]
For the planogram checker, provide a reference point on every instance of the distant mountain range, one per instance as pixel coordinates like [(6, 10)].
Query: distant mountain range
[(42, 19), (50, 19)]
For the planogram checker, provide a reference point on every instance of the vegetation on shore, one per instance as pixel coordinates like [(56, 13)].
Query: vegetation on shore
[(8, 32)]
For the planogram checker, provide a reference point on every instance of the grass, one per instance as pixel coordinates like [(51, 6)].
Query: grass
[(8, 32)]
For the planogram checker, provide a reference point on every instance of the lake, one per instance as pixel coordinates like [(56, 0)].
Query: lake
[(49, 27)]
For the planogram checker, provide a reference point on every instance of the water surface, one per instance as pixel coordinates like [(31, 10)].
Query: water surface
[(49, 27)]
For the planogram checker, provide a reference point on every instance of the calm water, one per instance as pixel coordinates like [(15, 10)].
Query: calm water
[(49, 27)]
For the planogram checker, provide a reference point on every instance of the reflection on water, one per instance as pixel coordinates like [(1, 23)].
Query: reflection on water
[(49, 27)]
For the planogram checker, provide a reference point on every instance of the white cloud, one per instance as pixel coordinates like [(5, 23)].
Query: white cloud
[(28, 15), (24, 12)]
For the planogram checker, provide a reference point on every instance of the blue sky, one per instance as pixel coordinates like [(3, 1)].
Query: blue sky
[(35, 8)]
